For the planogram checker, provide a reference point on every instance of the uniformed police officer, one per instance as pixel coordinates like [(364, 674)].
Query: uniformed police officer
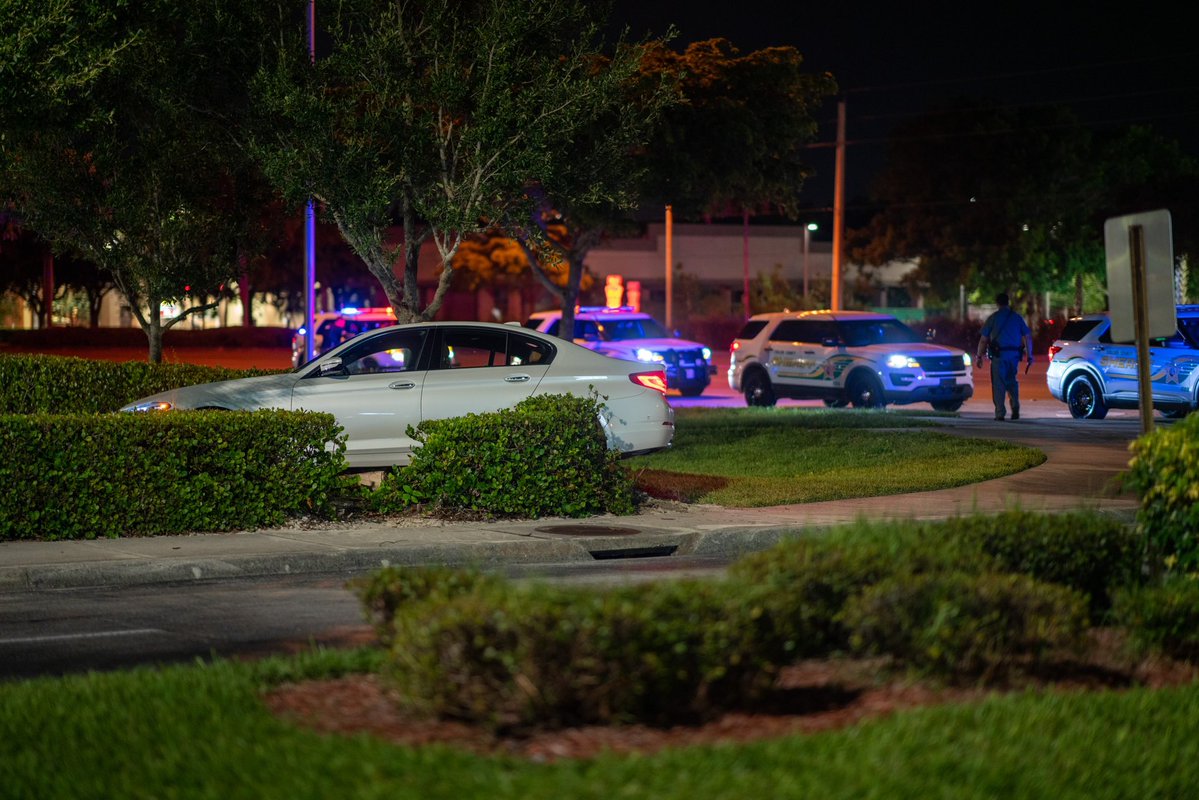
[(1004, 335)]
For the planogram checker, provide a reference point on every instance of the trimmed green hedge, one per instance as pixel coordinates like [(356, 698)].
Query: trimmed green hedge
[(513, 656), (965, 625), (1162, 618), (546, 456), (1164, 471), (31, 384), (87, 476)]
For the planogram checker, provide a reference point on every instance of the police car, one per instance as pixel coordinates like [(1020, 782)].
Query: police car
[(334, 327), (631, 335), (1092, 374), (845, 357)]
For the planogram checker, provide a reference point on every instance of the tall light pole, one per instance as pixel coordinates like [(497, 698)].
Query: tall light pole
[(310, 226), (669, 268), (807, 235), (838, 206)]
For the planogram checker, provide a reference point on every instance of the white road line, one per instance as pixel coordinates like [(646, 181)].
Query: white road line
[(69, 636)]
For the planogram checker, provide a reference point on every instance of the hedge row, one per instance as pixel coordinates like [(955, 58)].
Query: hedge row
[(1164, 471), (546, 456), (31, 384), (49, 338), (941, 598), (84, 476)]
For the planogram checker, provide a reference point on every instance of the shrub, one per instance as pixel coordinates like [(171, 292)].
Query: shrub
[(511, 657), (1085, 551), (393, 589), (1162, 618), (961, 624), (547, 456), (31, 384), (808, 581), (92, 475), (1164, 471)]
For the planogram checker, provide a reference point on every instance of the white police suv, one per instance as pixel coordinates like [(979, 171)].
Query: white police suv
[(1091, 374), (845, 357), (631, 335)]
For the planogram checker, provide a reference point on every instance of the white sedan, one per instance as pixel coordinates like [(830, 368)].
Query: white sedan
[(379, 383)]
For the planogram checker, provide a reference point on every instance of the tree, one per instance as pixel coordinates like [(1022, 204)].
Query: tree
[(1013, 199), (435, 115), (726, 130), (119, 138)]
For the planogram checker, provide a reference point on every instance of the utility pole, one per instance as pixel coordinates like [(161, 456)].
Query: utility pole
[(839, 207), (669, 268)]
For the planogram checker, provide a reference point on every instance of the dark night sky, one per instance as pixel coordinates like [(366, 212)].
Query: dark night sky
[(1114, 65)]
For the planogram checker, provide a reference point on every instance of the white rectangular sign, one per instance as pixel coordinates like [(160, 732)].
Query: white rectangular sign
[(1159, 274)]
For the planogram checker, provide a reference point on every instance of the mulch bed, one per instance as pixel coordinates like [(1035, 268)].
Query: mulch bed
[(811, 696)]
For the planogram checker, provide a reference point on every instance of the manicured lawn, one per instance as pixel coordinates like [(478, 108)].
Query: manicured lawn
[(762, 457), (202, 732)]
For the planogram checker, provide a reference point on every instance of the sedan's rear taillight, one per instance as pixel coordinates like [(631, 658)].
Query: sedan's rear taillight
[(1054, 349), (651, 380)]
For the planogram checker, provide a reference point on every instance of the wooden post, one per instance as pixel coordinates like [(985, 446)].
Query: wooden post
[(1140, 319)]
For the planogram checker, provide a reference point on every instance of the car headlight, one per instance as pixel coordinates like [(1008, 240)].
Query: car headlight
[(902, 362), (156, 405), (966, 359), (707, 354), (644, 354)]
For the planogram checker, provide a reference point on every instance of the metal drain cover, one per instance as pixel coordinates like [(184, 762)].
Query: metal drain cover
[(588, 530)]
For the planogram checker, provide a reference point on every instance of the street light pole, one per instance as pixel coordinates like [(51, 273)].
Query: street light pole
[(310, 227), (807, 235)]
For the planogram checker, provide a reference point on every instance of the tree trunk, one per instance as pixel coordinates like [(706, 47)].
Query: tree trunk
[(1078, 294), (246, 295)]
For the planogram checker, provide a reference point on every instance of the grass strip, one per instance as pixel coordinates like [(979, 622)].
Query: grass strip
[(765, 457), (201, 731)]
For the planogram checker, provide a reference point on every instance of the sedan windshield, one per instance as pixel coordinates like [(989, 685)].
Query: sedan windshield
[(619, 329), (860, 333)]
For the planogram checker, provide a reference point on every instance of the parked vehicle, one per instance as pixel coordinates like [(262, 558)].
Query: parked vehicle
[(385, 380), (334, 327), (845, 358), (631, 335), (1092, 374)]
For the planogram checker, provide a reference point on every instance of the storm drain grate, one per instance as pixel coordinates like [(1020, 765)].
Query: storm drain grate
[(659, 551)]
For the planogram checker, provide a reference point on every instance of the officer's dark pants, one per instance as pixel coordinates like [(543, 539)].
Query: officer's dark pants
[(1004, 382)]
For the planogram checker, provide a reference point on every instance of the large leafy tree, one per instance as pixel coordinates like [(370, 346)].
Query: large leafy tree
[(726, 131), (434, 116), (118, 137), (1013, 198)]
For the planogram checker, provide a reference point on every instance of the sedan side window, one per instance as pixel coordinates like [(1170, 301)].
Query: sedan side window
[(465, 349), (394, 351)]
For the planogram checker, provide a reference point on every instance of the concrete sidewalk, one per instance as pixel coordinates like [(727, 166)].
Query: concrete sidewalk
[(1082, 459)]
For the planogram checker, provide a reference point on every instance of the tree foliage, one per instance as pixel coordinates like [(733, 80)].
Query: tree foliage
[(1012, 199), (724, 130), (118, 126), (437, 115)]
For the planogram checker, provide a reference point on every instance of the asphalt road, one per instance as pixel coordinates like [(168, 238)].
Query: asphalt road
[(64, 631)]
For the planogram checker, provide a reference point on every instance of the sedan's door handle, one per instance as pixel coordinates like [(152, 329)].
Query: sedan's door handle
[(516, 378), (401, 385)]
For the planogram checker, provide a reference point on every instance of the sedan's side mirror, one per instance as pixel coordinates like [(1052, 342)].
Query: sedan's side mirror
[(331, 367)]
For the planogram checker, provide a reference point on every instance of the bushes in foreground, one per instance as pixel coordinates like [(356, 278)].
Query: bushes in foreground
[(85, 475), (546, 456), (32, 384), (1164, 471), (926, 595)]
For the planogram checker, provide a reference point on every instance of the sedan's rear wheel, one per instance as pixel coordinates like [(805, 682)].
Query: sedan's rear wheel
[(1084, 399), (757, 388)]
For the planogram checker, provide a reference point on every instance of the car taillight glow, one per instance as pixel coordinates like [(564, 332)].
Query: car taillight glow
[(1053, 351), (655, 380)]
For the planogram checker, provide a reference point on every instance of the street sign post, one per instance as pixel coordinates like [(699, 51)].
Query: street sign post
[(1140, 289)]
